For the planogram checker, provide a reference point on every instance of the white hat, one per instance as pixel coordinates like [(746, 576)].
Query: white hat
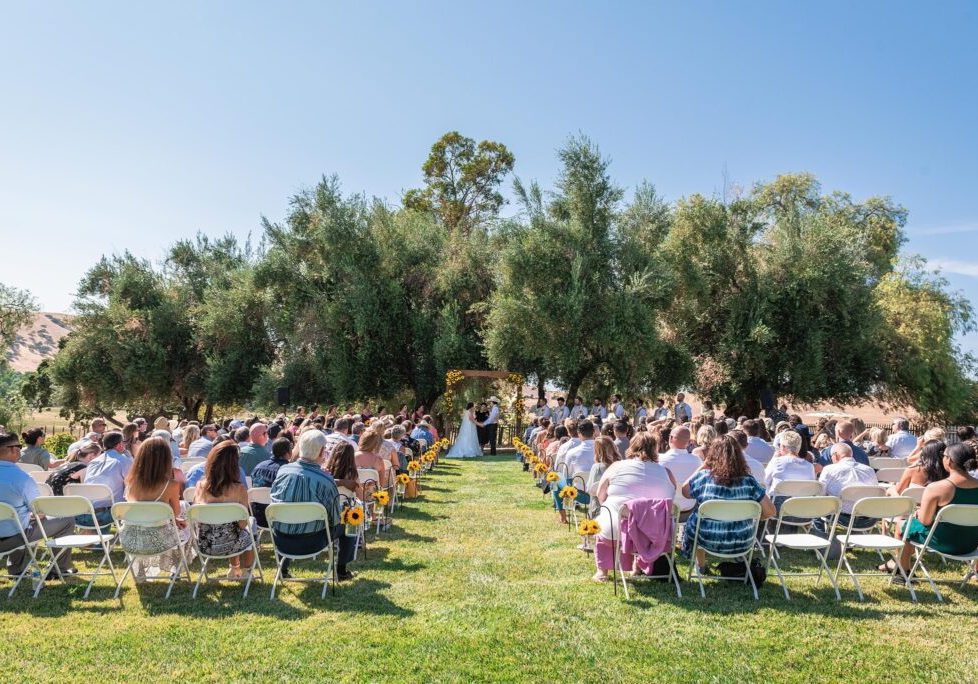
[(494, 399)]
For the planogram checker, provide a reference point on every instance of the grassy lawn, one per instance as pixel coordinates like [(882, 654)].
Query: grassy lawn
[(477, 583)]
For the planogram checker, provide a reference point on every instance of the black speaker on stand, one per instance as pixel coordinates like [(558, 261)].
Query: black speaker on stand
[(282, 394)]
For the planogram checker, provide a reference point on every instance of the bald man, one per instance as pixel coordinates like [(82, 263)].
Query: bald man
[(680, 463), (254, 451), (844, 431)]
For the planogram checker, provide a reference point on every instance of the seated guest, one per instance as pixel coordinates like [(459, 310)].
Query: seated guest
[(705, 435), (843, 472), (222, 483), (578, 459), (305, 481), (757, 448), (724, 476), (756, 467), (959, 487), (341, 464), (844, 432), (368, 455), (191, 434), (151, 479), (265, 473), (110, 468), (621, 437), (422, 432), (73, 470), (255, 451), (35, 453), (639, 476), (787, 463), (928, 468), (680, 462), (560, 437), (200, 447), (605, 453), (18, 490), (340, 433), (398, 436)]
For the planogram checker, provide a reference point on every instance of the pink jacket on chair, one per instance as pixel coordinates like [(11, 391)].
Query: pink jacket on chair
[(648, 531)]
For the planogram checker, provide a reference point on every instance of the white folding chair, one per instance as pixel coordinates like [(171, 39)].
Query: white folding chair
[(187, 463), (30, 468), (68, 506), (877, 508), (915, 493), (260, 495), (369, 479), (785, 489), (8, 514), (953, 514), (889, 475), (298, 514), (807, 507), (880, 462), (148, 514), (727, 511), (222, 514), (44, 489), (189, 493), (39, 476), (670, 555)]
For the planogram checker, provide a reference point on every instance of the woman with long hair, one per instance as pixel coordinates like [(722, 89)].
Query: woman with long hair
[(928, 468), (605, 453), (191, 434), (368, 454), (221, 484), (150, 479), (725, 476), (342, 465), (132, 438)]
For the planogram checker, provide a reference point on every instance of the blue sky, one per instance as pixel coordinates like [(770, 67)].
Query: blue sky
[(131, 125)]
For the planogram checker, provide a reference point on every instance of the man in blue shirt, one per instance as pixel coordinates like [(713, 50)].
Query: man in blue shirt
[(844, 431), (422, 432), (199, 448), (18, 490), (196, 474), (305, 481), (265, 473), (254, 451)]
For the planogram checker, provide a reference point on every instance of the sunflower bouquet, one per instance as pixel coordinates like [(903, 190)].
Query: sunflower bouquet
[(568, 493), (402, 482), (353, 518), (413, 468), (552, 476), (381, 498), (588, 528)]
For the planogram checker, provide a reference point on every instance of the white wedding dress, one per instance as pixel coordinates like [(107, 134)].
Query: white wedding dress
[(467, 443)]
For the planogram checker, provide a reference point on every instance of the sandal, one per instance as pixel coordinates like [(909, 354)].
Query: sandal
[(888, 566), (599, 578)]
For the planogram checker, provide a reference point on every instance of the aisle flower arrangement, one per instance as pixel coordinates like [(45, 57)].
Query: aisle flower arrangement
[(353, 518), (568, 494), (401, 483), (587, 529)]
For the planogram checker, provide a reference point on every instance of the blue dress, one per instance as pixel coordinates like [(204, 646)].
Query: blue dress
[(717, 535)]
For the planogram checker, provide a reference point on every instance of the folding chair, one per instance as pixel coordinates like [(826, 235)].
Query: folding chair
[(785, 489), (726, 511), (188, 463), (260, 495), (39, 476), (30, 468), (95, 493), (369, 480), (148, 514), (953, 514), (889, 475), (44, 489), (670, 556), (809, 507), (297, 514), (189, 494), (579, 482), (8, 514), (69, 507), (876, 507), (222, 514), (880, 462)]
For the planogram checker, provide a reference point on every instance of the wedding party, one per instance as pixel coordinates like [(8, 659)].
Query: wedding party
[(385, 342)]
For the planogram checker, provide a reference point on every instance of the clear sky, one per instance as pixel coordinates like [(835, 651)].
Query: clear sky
[(131, 125)]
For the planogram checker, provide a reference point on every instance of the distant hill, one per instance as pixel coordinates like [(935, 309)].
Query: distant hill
[(38, 341)]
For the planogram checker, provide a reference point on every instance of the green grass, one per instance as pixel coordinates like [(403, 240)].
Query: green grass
[(477, 583)]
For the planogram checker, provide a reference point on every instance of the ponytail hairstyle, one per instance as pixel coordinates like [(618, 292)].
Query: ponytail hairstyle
[(932, 460), (31, 436), (962, 457)]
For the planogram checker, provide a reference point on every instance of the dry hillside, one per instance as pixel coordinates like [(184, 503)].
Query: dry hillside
[(38, 340)]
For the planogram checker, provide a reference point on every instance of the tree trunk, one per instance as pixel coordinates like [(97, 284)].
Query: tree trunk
[(541, 387), (743, 405), (208, 413), (108, 416)]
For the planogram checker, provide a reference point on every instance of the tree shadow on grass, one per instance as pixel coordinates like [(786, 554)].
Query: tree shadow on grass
[(358, 596), (416, 514)]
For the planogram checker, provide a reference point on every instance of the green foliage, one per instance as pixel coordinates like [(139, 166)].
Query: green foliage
[(58, 443), (13, 407), (37, 388), (16, 309), (461, 181)]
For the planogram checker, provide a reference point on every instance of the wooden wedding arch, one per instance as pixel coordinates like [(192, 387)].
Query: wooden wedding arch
[(515, 380)]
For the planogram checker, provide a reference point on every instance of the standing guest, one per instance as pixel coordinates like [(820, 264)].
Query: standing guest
[(18, 490), (959, 487), (621, 437), (265, 473), (682, 411), (542, 409), (491, 424), (640, 412), (305, 481), (201, 446), (191, 434), (757, 448), (73, 469), (402, 414), (599, 411), (724, 476), (579, 411), (222, 484), (680, 463), (255, 450), (788, 464), (561, 413), (660, 412), (901, 442), (110, 468), (708, 413), (34, 452), (617, 408)]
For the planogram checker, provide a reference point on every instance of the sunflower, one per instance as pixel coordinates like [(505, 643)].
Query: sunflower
[(552, 476), (354, 516), (382, 498), (540, 468), (403, 478), (568, 492), (582, 528), (593, 527), (414, 466)]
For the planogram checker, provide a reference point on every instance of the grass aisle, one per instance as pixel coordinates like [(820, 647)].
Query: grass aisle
[(476, 583)]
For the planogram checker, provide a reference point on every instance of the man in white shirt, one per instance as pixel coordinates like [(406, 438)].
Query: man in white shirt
[(491, 424), (660, 410), (757, 448), (682, 411), (579, 411), (561, 413), (579, 459), (543, 409), (598, 410), (617, 408), (574, 440), (680, 463), (901, 442), (787, 465), (843, 472)]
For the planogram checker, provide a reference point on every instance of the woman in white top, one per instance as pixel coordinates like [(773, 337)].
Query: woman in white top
[(788, 465), (639, 476)]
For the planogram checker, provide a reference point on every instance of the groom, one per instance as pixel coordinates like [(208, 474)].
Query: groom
[(490, 426)]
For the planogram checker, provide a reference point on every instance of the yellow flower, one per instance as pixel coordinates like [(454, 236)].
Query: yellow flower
[(382, 498), (541, 468), (414, 466), (403, 478), (568, 492), (354, 516), (552, 476)]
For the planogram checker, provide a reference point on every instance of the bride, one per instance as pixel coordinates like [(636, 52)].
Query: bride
[(467, 443)]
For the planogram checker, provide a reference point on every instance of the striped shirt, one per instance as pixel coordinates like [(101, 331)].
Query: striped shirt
[(718, 535), (304, 481)]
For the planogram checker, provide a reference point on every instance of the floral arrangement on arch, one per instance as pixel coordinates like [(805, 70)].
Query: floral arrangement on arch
[(517, 381)]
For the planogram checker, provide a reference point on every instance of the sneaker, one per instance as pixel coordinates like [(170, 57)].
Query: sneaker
[(346, 576)]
